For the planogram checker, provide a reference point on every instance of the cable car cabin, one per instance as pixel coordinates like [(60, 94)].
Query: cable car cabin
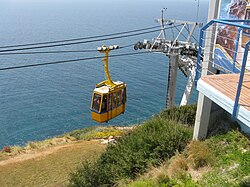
[(109, 98), (108, 102)]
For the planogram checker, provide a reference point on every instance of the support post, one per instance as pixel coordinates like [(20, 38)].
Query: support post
[(172, 76), (204, 104)]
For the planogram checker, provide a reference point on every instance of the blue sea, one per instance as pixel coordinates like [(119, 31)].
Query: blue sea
[(41, 102)]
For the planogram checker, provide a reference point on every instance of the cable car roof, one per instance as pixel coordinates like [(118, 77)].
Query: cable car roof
[(105, 88)]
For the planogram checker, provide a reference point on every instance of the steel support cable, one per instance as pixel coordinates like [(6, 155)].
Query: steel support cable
[(181, 32), (76, 39), (188, 33), (71, 60), (54, 52), (48, 52), (81, 42), (191, 35)]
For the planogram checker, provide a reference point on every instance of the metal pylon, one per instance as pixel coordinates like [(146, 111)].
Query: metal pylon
[(181, 54)]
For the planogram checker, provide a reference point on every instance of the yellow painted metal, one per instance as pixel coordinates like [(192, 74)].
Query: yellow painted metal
[(105, 117), (109, 81), (110, 113)]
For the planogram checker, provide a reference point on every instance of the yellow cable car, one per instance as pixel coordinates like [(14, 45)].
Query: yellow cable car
[(109, 98)]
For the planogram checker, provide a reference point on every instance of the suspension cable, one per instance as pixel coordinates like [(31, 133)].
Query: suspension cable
[(191, 35), (81, 42), (54, 52), (70, 60), (48, 52), (76, 39), (180, 32)]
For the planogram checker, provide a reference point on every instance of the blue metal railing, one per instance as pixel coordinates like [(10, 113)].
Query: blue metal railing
[(235, 23), (242, 72)]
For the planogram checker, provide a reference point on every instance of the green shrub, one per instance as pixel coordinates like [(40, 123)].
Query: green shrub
[(148, 145), (102, 133), (96, 133), (78, 133), (85, 175), (232, 151), (183, 114), (143, 183)]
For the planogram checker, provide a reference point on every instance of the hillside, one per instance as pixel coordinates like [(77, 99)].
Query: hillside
[(158, 152), (222, 160), (47, 167), (50, 162)]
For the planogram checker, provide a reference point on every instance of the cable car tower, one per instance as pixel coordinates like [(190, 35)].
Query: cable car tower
[(181, 54)]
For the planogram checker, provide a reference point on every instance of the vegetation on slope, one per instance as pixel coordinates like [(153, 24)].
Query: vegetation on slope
[(221, 161), (80, 134), (49, 162), (232, 160), (48, 167), (155, 153), (182, 114), (148, 145)]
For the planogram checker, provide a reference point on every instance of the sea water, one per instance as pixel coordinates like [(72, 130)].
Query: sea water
[(42, 102)]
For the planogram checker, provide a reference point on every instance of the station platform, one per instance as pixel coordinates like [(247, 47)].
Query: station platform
[(221, 89)]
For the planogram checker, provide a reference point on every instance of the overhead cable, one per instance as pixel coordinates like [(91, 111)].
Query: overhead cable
[(54, 52), (68, 61), (81, 42), (81, 38), (49, 52)]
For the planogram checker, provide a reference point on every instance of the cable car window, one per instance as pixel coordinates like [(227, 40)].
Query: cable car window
[(110, 101), (104, 104), (114, 100), (96, 102), (123, 95), (119, 97)]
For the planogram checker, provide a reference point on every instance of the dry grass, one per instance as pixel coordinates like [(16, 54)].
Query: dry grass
[(35, 146), (47, 167), (197, 174), (178, 166), (80, 134), (157, 173), (199, 155), (174, 168)]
